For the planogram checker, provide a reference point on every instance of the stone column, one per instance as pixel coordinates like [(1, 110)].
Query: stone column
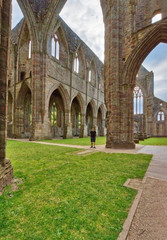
[(118, 94), (68, 125), (6, 171), (39, 127), (103, 129), (83, 129)]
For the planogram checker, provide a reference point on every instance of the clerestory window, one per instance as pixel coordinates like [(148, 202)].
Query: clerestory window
[(76, 63), (90, 75), (55, 47)]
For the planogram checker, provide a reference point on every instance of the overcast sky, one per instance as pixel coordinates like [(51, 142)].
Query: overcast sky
[(85, 18)]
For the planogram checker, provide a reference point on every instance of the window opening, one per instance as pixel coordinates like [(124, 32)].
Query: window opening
[(157, 18), (90, 75), (138, 101), (160, 116), (76, 63), (30, 50), (55, 47)]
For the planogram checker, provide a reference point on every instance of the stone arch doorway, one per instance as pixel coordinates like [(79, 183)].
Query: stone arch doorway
[(23, 113), (89, 118), (57, 114), (99, 121), (75, 117)]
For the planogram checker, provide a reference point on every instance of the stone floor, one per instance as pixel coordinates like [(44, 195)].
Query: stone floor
[(147, 219)]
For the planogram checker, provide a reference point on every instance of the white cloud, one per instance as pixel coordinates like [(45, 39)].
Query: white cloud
[(17, 14), (85, 18)]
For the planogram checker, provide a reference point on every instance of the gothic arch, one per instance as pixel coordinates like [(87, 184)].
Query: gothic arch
[(81, 102), (64, 48), (103, 110), (82, 60), (64, 94), (22, 92), (29, 18), (24, 112), (156, 35), (94, 107), (52, 15), (56, 114)]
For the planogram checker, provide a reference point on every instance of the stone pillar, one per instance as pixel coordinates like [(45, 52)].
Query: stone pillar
[(6, 171), (39, 127), (68, 125), (103, 129), (118, 94), (95, 124), (83, 128)]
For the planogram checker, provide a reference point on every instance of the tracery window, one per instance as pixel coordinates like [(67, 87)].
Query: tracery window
[(138, 100), (55, 47), (157, 18), (76, 63), (161, 116), (29, 49)]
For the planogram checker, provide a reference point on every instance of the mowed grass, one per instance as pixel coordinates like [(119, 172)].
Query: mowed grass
[(155, 141), (66, 196), (78, 141)]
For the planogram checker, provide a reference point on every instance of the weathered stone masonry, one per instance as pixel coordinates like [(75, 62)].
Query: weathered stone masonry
[(129, 38), (76, 97), (6, 170)]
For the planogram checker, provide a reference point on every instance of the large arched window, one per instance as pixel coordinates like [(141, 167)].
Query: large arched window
[(160, 116), (76, 63), (157, 18), (138, 100), (55, 47)]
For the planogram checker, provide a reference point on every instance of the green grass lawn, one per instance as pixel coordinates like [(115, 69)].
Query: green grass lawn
[(66, 196), (155, 141), (78, 141)]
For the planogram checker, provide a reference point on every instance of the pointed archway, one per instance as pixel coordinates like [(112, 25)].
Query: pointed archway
[(57, 114)]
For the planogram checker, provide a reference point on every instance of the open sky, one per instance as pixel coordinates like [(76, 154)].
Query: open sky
[(85, 18)]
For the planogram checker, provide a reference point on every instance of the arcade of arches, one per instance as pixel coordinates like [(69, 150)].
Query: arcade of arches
[(56, 87)]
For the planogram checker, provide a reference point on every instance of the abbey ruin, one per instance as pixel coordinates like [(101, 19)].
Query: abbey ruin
[(53, 85)]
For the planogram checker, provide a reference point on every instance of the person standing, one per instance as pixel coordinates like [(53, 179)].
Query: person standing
[(93, 137)]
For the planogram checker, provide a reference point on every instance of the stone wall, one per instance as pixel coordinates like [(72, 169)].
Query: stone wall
[(129, 38), (6, 171), (58, 75), (152, 106)]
